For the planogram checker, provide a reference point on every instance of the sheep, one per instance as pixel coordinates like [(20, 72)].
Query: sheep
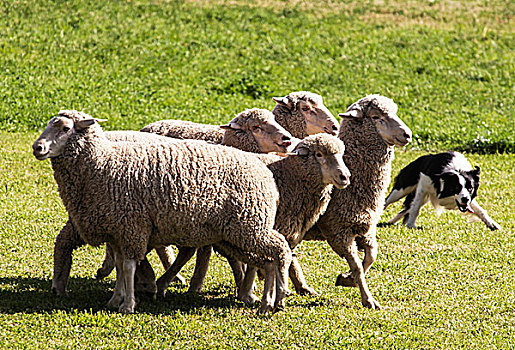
[(196, 194), (184, 129), (304, 182), (303, 113), (253, 130), (370, 129), (69, 239)]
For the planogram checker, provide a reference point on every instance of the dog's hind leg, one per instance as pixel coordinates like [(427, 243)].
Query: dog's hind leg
[(483, 215), (397, 194), (404, 212)]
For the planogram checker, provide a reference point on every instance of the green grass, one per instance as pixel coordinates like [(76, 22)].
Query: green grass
[(448, 285), (448, 64)]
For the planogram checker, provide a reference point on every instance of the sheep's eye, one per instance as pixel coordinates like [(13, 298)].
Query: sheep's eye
[(375, 117), (256, 128), (305, 108), (66, 129), (319, 155)]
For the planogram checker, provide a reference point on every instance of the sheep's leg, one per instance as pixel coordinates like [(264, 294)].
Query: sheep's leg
[(167, 256), (421, 198), (269, 292), (185, 254), (370, 247), (298, 280), (66, 241), (281, 285), (201, 266), (344, 245), (119, 287), (238, 271), (483, 215), (245, 291), (129, 302), (107, 264), (145, 279)]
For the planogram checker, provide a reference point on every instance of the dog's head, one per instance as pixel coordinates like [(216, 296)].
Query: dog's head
[(462, 185)]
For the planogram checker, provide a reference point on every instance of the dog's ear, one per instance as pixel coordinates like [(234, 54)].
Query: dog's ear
[(475, 175)]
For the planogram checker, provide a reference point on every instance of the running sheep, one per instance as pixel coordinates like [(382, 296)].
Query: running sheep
[(196, 194)]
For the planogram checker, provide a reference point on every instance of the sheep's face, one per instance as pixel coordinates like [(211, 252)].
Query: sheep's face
[(382, 112), (390, 127), (53, 139), (328, 154), (317, 117), (260, 125), (270, 136)]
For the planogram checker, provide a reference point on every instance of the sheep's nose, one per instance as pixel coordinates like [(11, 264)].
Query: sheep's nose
[(344, 178), (286, 138), (38, 148), (335, 128)]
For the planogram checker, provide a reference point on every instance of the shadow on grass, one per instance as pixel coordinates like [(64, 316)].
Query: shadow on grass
[(33, 295)]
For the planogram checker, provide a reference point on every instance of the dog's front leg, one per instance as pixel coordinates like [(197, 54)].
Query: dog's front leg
[(421, 198), (483, 215)]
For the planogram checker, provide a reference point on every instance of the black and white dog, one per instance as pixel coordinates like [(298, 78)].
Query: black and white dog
[(446, 179)]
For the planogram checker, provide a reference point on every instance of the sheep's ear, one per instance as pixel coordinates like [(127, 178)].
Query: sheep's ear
[(85, 123), (284, 101), (354, 113), (301, 151), (231, 126)]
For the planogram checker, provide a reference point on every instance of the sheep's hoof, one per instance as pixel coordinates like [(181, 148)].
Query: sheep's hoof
[(179, 280), (345, 280), (371, 304), (60, 292), (127, 307), (160, 294), (279, 306), (114, 302), (249, 300), (305, 290), (101, 274), (265, 309)]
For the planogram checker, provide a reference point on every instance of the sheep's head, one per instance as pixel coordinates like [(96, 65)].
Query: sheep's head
[(260, 124), (317, 118), (328, 151), (382, 111), (53, 139)]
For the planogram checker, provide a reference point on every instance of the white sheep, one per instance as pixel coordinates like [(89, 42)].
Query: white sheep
[(370, 129), (195, 194), (251, 130), (302, 113), (69, 239), (305, 183)]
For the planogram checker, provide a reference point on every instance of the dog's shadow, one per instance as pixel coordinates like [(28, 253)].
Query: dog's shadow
[(33, 295)]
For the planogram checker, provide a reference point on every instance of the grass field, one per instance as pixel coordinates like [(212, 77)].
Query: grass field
[(448, 64)]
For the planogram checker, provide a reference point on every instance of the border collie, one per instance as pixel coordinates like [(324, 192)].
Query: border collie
[(446, 179)]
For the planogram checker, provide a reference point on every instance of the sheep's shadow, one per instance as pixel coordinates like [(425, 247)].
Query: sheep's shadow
[(34, 295)]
